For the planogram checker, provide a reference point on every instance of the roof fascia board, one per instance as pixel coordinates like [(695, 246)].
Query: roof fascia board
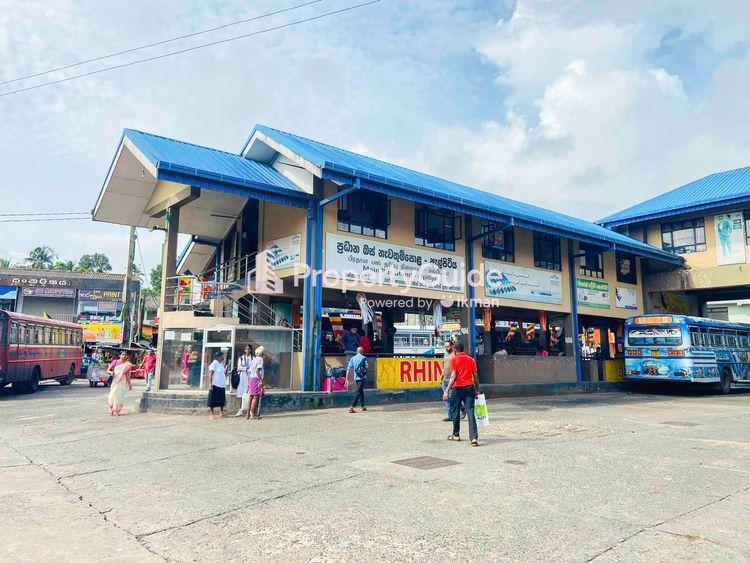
[(281, 149), (673, 212)]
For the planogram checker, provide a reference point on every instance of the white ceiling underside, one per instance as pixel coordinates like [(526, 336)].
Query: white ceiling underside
[(196, 259), (131, 189)]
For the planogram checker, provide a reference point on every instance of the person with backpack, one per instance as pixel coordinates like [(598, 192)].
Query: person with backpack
[(358, 368)]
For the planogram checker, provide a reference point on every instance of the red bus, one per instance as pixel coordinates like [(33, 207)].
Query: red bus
[(33, 349)]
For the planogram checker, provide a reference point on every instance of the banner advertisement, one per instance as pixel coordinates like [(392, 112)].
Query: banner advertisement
[(408, 373), (283, 252), (103, 332), (522, 284), (99, 295), (592, 293), (61, 292), (361, 260), (730, 238), (626, 298)]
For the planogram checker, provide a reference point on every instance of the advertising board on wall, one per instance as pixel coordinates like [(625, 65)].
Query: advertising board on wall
[(522, 284), (361, 260), (730, 238), (408, 373), (102, 331), (626, 298), (61, 292), (283, 252), (592, 293), (99, 295)]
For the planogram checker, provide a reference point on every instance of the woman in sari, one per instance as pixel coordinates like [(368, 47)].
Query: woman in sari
[(120, 380)]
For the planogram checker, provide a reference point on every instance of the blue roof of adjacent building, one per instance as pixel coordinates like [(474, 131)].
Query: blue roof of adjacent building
[(715, 190), (210, 168), (341, 165)]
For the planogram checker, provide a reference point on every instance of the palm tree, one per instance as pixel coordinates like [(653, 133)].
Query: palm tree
[(5, 263), (41, 257)]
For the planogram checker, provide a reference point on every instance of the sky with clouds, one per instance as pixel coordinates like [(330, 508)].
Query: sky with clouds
[(584, 107)]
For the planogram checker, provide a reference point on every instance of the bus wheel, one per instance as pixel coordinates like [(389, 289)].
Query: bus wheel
[(71, 376), (32, 385), (725, 386)]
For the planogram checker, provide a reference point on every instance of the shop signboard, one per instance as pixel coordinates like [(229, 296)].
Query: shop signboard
[(592, 293), (102, 331), (283, 252), (99, 295), (522, 284), (361, 260), (61, 292), (730, 238), (408, 373), (626, 298)]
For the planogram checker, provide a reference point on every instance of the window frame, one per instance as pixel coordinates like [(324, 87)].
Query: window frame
[(449, 218), (697, 225), (547, 240), (348, 221), (594, 270), (489, 243)]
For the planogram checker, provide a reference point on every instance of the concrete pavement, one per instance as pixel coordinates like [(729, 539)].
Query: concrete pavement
[(605, 477)]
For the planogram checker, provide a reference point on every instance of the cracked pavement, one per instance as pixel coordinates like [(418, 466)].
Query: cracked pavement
[(605, 477)]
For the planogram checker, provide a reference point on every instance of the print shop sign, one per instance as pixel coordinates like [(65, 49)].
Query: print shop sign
[(361, 261)]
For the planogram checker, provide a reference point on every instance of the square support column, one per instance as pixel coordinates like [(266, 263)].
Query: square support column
[(168, 274)]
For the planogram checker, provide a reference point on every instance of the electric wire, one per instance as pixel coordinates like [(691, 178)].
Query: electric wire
[(47, 219), (41, 213), (162, 42), (194, 48)]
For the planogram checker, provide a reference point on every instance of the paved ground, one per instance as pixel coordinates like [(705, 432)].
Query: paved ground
[(612, 477)]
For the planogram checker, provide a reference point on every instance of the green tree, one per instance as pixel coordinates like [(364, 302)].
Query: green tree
[(137, 273), (65, 265), (41, 257), (155, 278), (5, 263), (96, 262)]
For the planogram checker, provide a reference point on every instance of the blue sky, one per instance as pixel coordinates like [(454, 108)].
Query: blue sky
[(586, 107)]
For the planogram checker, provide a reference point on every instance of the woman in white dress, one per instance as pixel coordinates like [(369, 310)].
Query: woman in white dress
[(120, 373), (243, 369), (255, 382)]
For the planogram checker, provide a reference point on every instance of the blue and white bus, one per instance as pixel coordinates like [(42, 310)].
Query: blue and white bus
[(689, 349)]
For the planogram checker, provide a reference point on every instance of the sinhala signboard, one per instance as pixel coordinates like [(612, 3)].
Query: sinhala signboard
[(592, 293)]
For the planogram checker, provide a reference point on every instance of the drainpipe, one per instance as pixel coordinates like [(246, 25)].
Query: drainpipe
[(318, 281)]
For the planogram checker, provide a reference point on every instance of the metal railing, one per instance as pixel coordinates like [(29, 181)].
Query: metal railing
[(234, 270)]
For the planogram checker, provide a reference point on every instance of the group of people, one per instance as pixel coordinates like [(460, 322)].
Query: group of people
[(250, 387)]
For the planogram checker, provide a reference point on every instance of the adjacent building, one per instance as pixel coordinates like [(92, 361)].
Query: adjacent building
[(706, 222), (93, 299)]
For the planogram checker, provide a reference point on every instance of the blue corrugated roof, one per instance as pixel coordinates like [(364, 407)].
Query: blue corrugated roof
[(211, 168), (716, 190), (337, 163)]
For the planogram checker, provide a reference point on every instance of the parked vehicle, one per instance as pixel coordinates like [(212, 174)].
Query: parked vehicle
[(34, 349)]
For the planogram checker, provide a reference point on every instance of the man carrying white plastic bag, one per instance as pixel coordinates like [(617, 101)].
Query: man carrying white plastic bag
[(480, 411), (463, 387)]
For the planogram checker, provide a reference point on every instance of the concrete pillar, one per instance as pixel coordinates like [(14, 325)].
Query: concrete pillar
[(168, 273)]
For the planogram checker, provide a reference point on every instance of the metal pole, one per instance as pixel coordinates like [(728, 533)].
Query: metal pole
[(127, 321), (307, 304), (574, 309), (471, 292)]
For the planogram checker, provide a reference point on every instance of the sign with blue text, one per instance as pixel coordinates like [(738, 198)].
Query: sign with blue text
[(522, 284)]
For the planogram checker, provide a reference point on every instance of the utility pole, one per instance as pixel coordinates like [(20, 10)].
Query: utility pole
[(127, 321)]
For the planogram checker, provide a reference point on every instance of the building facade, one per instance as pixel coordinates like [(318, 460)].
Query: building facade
[(290, 234), (706, 222), (91, 299)]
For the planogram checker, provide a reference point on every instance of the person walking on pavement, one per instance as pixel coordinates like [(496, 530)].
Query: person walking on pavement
[(148, 365), (255, 383), (447, 357), (243, 369), (358, 368), (465, 386)]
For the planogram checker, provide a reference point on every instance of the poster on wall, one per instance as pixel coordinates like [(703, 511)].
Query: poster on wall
[(730, 238), (283, 252), (62, 292), (522, 284), (102, 332), (592, 293), (626, 298), (358, 260)]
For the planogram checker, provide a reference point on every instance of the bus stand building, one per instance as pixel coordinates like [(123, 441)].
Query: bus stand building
[(707, 222), (260, 219)]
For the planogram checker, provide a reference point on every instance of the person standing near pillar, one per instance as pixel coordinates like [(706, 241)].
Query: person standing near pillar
[(243, 369)]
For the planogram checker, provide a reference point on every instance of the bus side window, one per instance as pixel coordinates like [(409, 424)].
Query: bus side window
[(13, 333), (742, 339), (695, 337), (717, 339), (731, 338)]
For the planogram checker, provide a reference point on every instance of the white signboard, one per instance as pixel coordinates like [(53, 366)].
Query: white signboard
[(592, 293), (283, 252), (626, 298), (362, 260), (730, 238), (522, 284)]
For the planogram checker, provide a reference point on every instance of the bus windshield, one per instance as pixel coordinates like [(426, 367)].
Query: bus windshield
[(655, 336)]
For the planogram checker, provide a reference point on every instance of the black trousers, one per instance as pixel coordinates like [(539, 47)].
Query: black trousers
[(360, 396)]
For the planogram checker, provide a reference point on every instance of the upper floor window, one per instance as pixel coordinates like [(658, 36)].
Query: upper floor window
[(683, 237), (626, 268), (547, 252), (592, 261), (498, 244), (747, 227), (365, 213), (436, 228)]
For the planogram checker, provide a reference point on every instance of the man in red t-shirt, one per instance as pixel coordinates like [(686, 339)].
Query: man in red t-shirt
[(465, 384)]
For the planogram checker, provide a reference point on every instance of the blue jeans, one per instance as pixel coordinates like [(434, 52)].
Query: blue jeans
[(448, 410), (149, 378), (465, 395)]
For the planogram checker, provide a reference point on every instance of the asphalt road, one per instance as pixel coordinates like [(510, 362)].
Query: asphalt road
[(608, 477)]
